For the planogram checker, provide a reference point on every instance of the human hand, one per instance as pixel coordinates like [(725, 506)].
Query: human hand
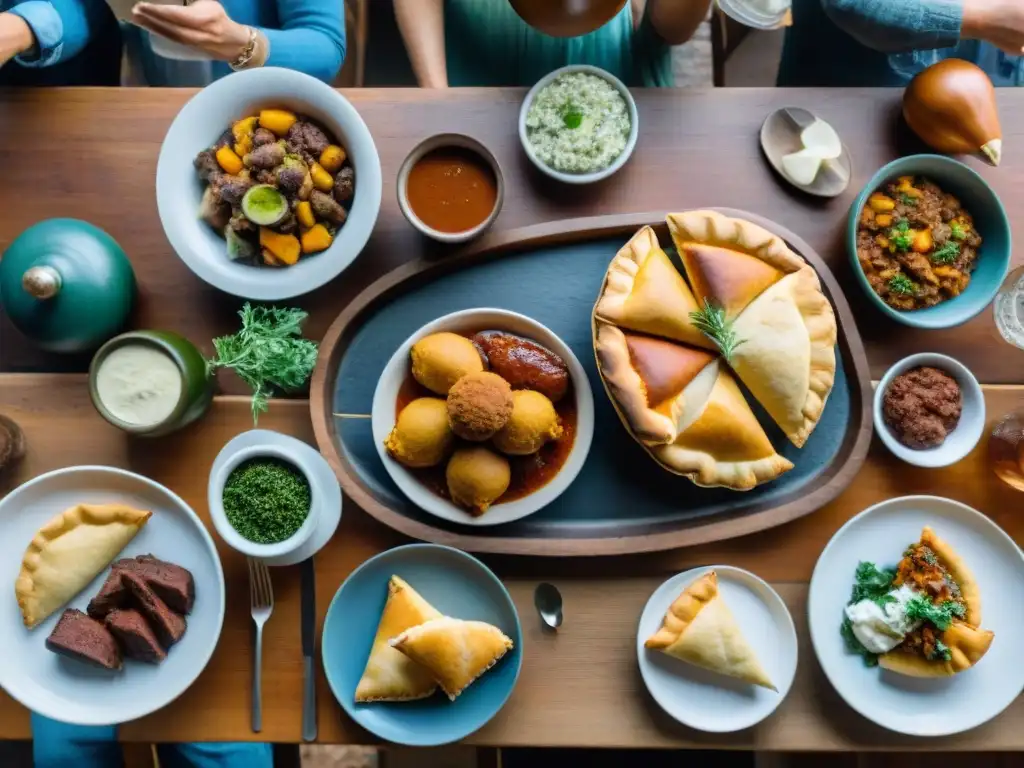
[(1000, 22), (203, 25), (15, 37)]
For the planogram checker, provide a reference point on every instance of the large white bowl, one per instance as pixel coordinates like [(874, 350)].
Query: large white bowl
[(178, 189), (395, 372)]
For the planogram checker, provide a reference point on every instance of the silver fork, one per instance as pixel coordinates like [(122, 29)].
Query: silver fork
[(261, 598)]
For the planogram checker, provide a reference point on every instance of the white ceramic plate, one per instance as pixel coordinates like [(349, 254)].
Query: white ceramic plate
[(905, 704), (74, 692), (386, 395), (705, 700), (319, 472), (178, 189)]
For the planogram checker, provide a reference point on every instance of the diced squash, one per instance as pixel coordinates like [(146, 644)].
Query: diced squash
[(883, 219), (946, 271), (332, 158), (284, 248), (316, 239), (277, 121), (304, 213), (882, 240), (243, 146), (243, 127), (922, 240), (322, 180), (881, 203), (268, 258), (228, 160), (905, 186)]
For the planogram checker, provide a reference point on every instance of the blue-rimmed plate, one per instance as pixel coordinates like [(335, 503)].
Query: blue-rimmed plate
[(457, 585)]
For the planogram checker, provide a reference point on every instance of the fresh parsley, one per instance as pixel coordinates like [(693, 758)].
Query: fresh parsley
[(920, 608), (947, 254), (930, 558), (957, 231), (900, 236), (572, 116), (268, 353), (853, 645), (712, 322), (902, 285), (941, 652), (872, 583), (907, 199)]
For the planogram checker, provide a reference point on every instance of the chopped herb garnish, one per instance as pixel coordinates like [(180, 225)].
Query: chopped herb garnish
[(920, 608), (957, 232), (266, 500), (930, 558), (572, 116), (712, 322), (901, 284), (907, 199), (853, 645), (947, 254), (900, 236), (941, 652), (872, 583)]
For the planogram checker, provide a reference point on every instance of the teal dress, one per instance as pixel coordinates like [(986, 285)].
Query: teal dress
[(487, 44)]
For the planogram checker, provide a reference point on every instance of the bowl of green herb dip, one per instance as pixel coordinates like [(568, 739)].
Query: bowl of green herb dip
[(262, 503)]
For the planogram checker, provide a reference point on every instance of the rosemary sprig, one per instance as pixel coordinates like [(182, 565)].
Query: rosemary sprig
[(712, 322)]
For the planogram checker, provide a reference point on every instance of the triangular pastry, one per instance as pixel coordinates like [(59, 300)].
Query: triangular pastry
[(643, 291), (456, 652), (713, 228), (69, 552), (720, 442), (787, 358), (700, 629), (390, 675), (731, 279), (649, 379)]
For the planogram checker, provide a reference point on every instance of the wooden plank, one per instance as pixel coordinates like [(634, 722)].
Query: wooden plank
[(696, 148), (579, 687)]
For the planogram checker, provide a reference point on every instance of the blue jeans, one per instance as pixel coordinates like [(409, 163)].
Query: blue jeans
[(58, 745)]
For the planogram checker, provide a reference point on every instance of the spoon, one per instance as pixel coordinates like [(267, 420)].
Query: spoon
[(548, 600)]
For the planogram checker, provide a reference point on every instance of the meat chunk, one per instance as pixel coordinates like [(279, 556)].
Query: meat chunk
[(345, 184), (262, 136), (206, 165), (168, 625), (525, 364), (135, 636), (265, 157), (231, 189), (307, 140), (171, 582), (80, 637), (213, 210), (326, 207)]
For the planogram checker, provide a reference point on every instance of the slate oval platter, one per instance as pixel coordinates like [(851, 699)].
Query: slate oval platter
[(622, 502)]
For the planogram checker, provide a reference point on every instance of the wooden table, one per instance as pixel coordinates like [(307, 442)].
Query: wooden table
[(92, 154)]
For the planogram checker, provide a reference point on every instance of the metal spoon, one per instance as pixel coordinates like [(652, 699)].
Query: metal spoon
[(548, 600)]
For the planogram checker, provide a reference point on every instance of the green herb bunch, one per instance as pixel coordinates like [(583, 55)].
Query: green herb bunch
[(712, 322), (947, 254), (900, 236), (902, 285), (268, 353)]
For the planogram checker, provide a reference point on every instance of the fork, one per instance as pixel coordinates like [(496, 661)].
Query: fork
[(261, 597)]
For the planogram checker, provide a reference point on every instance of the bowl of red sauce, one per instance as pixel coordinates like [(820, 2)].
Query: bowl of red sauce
[(450, 188)]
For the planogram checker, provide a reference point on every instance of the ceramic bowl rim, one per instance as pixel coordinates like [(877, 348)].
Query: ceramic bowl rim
[(618, 162), (971, 391), (954, 315), (437, 141)]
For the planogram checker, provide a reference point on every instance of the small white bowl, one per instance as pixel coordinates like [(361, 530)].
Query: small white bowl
[(581, 178), (961, 440), (395, 373), (215, 498), (436, 142)]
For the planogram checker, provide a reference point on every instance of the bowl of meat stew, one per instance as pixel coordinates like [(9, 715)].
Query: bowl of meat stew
[(268, 184), (930, 241)]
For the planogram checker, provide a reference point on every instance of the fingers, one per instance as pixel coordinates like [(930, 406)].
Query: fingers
[(196, 16), (179, 34)]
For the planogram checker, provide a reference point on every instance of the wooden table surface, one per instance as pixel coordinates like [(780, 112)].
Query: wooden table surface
[(92, 154)]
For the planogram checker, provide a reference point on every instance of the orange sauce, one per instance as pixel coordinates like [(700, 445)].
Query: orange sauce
[(452, 189)]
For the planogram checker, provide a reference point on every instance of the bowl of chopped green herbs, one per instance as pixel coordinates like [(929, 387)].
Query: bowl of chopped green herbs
[(262, 502), (896, 240)]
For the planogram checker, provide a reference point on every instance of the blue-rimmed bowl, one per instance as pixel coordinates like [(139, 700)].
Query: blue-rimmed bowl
[(457, 585), (978, 199)]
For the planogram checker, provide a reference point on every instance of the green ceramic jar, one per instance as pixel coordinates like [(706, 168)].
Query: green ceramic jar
[(153, 359), (67, 285)]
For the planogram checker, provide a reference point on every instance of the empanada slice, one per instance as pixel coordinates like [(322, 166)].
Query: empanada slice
[(643, 291), (787, 358), (69, 552), (731, 279), (456, 652), (713, 228), (700, 629), (390, 675), (650, 380), (720, 442)]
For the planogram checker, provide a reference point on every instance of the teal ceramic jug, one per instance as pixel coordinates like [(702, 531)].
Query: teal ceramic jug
[(66, 284)]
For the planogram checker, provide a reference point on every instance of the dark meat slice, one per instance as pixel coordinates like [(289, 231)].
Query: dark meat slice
[(288, 225), (135, 636), (231, 189), (262, 136), (206, 165), (212, 209), (266, 157), (306, 139), (525, 364), (226, 139), (167, 624), (82, 638), (112, 595), (240, 223), (919, 267), (345, 184), (326, 207), (941, 233), (172, 583)]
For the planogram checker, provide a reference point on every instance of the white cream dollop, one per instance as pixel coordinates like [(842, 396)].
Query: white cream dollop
[(880, 628)]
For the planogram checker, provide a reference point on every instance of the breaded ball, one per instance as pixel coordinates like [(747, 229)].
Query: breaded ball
[(477, 477), (533, 423), (479, 404), (441, 359), (422, 436)]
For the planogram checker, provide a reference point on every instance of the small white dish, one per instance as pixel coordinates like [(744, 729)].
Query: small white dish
[(437, 142), (909, 705), (961, 440), (763, 14), (705, 700), (471, 320), (781, 135), (325, 495), (581, 178), (68, 690)]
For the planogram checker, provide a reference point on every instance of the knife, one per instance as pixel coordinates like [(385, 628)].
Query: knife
[(308, 649)]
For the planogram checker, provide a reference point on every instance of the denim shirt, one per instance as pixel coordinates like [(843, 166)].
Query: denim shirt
[(882, 43)]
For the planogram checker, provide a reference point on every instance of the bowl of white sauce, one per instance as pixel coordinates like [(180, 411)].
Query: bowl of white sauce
[(578, 124), (149, 383)]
